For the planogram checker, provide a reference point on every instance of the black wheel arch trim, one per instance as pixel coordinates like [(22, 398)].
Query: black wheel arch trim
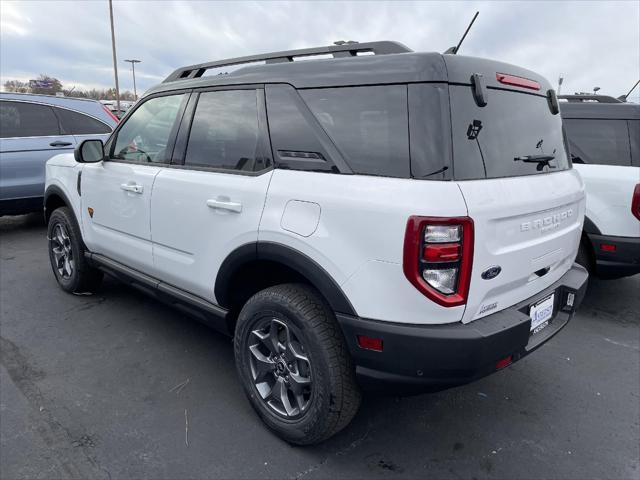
[(590, 227), (55, 190), (279, 253)]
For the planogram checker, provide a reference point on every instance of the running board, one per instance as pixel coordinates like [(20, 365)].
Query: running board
[(209, 313)]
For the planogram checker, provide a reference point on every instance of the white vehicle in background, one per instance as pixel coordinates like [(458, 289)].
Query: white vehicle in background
[(604, 140)]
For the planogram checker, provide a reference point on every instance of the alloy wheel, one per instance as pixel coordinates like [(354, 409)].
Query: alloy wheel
[(280, 368), (60, 244)]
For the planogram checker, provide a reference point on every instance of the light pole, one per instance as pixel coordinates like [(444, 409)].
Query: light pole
[(133, 69), (115, 61)]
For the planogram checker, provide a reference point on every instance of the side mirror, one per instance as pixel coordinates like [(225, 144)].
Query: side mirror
[(89, 151)]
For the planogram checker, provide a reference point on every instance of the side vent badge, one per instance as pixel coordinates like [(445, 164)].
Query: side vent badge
[(491, 272)]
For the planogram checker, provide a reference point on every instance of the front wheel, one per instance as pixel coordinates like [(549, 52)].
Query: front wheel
[(66, 254), (294, 364)]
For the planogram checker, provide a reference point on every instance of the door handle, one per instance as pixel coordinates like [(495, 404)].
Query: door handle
[(224, 205), (60, 143), (131, 187)]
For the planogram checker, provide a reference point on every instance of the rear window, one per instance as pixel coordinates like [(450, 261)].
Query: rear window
[(514, 134), (369, 125), (74, 123), (598, 141)]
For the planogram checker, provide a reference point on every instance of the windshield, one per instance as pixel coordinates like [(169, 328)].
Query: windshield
[(514, 134)]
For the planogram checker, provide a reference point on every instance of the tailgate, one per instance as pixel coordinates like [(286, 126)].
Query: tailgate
[(530, 227)]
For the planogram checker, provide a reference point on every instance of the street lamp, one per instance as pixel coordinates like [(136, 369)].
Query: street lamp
[(133, 69)]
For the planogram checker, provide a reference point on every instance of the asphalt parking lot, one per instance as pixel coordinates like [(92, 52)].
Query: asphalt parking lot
[(115, 385)]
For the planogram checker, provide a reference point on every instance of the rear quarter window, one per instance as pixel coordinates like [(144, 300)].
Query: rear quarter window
[(369, 125), (76, 123)]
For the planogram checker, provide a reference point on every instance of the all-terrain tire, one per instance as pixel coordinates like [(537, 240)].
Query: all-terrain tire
[(303, 316), (66, 254)]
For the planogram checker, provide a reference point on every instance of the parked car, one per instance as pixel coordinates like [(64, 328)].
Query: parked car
[(604, 139), (402, 221), (33, 128)]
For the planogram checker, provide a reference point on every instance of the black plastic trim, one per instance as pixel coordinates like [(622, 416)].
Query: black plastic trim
[(625, 261), (419, 358), (205, 311), (278, 253), (590, 227), (54, 190)]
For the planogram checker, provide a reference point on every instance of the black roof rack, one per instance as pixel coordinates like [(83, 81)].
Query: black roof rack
[(346, 49), (588, 97)]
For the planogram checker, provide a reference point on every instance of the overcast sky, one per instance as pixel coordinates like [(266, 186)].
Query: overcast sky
[(588, 43)]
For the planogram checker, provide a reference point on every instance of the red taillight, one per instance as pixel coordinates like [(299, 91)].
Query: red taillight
[(517, 81), (635, 202), (116, 119), (607, 247), (448, 252), (369, 343), (438, 256)]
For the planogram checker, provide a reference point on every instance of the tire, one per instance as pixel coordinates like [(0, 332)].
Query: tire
[(66, 254), (321, 391)]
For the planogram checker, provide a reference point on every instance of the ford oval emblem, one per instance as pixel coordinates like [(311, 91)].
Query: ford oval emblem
[(491, 272)]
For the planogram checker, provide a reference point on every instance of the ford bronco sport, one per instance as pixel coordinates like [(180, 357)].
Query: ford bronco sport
[(604, 139), (383, 218)]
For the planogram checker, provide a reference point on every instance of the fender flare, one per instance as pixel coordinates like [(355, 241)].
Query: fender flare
[(55, 190), (297, 261), (590, 227)]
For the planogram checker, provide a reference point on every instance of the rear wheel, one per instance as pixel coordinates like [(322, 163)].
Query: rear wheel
[(294, 364), (66, 254)]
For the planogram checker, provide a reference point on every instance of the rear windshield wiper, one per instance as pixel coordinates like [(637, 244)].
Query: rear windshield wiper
[(541, 160)]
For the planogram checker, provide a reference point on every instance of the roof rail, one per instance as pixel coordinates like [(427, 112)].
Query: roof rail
[(346, 49), (578, 98)]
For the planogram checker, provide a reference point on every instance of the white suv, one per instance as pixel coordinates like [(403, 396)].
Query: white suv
[(406, 221), (604, 139)]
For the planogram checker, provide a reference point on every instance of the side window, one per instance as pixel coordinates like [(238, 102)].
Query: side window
[(145, 135), (369, 125), (75, 123), (20, 119), (598, 142), (225, 132)]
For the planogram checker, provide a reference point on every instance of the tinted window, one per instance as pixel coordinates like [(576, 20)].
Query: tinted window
[(145, 134), (225, 132), (294, 134), (597, 141), (74, 123), (369, 125), (430, 131), (497, 140), (19, 119)]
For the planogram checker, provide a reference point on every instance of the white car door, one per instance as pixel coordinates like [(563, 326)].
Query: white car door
[(211, 203), (116, 193)]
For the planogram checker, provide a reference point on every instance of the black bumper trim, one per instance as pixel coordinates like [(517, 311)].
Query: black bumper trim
[(623, 262), (419, 358)]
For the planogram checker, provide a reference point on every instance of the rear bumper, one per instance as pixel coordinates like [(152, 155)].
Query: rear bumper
[(622, 262), (420, 358)]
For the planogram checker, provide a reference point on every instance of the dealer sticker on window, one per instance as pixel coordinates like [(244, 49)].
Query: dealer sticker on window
[(541, 313)]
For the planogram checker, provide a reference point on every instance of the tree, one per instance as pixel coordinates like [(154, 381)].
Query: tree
[(16, 86)]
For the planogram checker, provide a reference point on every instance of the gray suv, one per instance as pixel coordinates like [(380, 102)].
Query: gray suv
[(33, 128)]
